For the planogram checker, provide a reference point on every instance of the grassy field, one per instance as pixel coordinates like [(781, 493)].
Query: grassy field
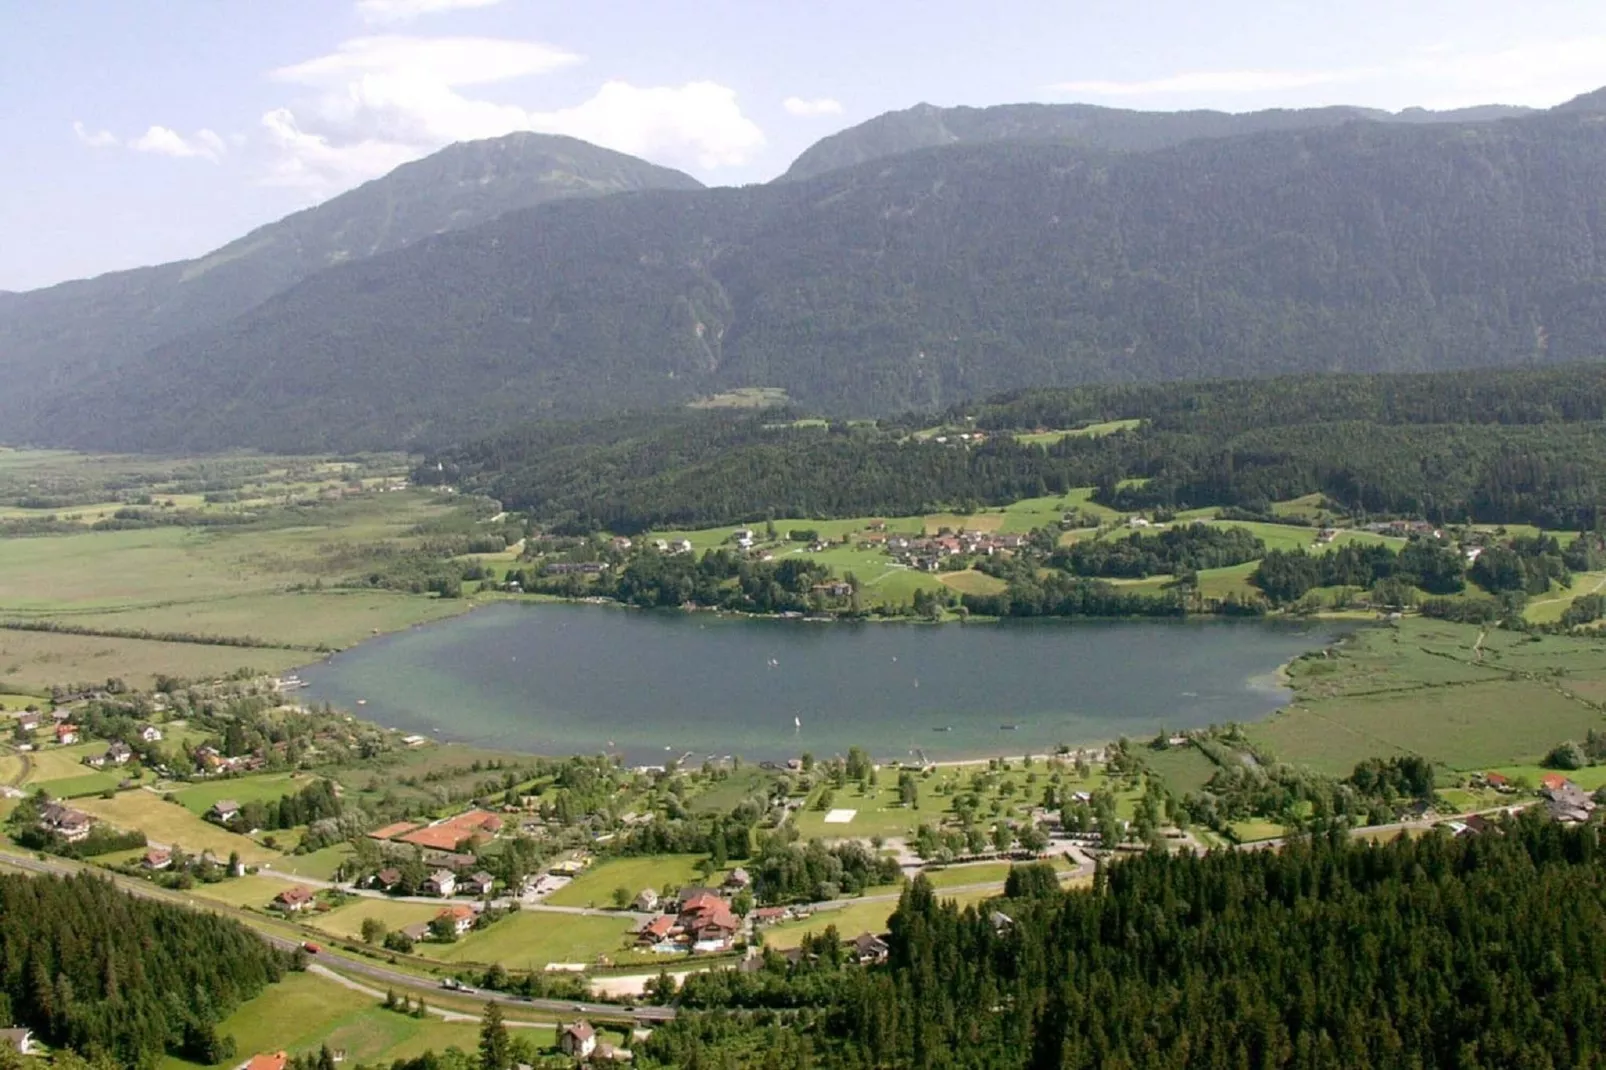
[(253, 890), (39, 659), (1184, 769), (850, 921), (1049, 438), (1549, 608), (198, 798), (347, 921), (972, 582), (659, 872), (305, 1011), (169, 823), (531, 940), (318, 865), (1466, 699)]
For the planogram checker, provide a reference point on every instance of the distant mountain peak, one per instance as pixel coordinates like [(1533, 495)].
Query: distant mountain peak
[(1594, 100)]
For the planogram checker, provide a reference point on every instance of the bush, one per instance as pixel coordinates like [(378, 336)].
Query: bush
[(1568, 755)]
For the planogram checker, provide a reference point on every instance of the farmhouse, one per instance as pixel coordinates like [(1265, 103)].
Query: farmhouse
[(157, 858), (118, 754), (461, 918), (293, 900), (223, 811), (738, 879), (387, 878), (442, 883), (28, 722), (578, 1041), (149, 733), (17, 1040), (869, 949), (71, 825), (646, 900), (66, 733), (655, 931), (478, 883)]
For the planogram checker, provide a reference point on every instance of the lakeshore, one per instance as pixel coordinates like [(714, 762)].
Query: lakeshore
[(554, 678)]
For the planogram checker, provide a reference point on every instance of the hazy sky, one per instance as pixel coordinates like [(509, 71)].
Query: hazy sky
[(149, 130)]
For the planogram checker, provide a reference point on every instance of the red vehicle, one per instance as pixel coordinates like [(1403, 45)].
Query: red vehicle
[(311, 948)]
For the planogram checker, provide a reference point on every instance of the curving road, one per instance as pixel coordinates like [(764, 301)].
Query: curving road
[(349, 964)]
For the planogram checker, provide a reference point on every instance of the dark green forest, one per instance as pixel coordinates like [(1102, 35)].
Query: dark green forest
[(92, 968), (1491, 446), (1477, 952)]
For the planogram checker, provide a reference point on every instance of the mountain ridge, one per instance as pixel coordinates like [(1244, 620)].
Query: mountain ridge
[(59, 336), (916, 281), (1089, 125)]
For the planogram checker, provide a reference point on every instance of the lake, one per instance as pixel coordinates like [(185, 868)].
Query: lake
[(564, 679)]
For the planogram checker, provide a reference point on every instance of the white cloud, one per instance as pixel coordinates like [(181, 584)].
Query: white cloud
[(445, 61), (95, 139), (205, 145), (377, 101), (1537, 73), (809, 108), (389, 11)]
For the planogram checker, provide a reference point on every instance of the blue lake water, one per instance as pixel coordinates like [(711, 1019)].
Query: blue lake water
[(562, 679)]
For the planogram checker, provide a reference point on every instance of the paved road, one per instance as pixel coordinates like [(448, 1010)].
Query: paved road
[(390, 978)]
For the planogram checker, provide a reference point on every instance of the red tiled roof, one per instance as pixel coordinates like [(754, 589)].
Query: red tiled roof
[(268, 1061), (456, 912), (660, 925), (1495, 778), (298, 894), (1552, 781), (437, 837)]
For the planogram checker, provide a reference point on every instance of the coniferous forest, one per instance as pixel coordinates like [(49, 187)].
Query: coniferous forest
[(92, 968), (1475, 952), (1524, 446)]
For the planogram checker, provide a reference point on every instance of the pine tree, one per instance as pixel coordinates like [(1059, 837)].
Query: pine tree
[(495, 1047)]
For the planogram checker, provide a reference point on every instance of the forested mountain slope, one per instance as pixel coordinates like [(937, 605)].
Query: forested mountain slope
[(916, 281), (56, 338), (1499, 446), (1089, 125)]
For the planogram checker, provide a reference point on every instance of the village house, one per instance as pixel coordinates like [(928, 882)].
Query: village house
[(387, 878), (578, 1041), (738, 879), (478, 883), (834, 589), (18, 1040), (416, 932), (292, 900), (149, 733), (646, 900), (1566, 801), (71, 825), (223, 811), (1499, 782), (66, 733), (869, 949), (28, 722), (157, 858), (461, 918), (442, 883), (655, 931), (769, 915), (118, 754)]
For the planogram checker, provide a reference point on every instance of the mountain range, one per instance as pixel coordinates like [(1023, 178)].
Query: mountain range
[(921, 258)]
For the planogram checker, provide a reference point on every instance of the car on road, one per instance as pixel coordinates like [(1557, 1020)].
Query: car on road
[(311, 948)]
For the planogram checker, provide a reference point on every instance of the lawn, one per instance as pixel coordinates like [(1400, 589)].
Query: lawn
[(531, 939), (595, 886), (169, 823), (972, 582), (959, 876), (850, 921), (318, 865), (1184, 770), (198, 799), (253, 890), (347, 921), (305, 1011), (1250, 831)]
